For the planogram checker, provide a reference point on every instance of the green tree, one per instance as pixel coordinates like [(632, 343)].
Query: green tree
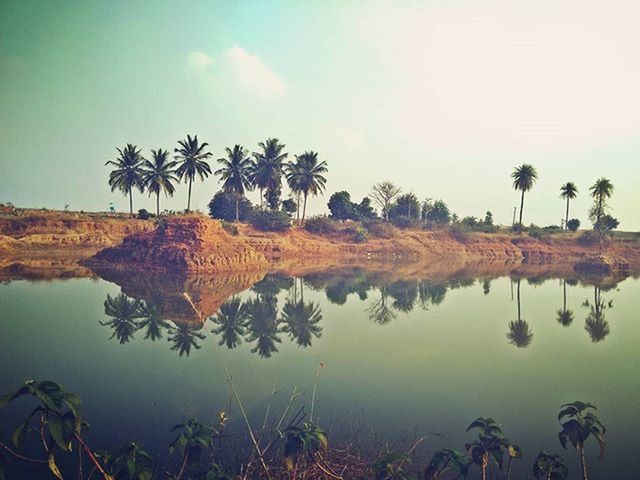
[(524, 177), (128, 173), (579, 423), (192, 160), (268, 166), (341, 206), (568, 191), (158, 175), (438, 212), (406, 205), (308, 176), (383, 194), (601, 191), (236, 174), (223, 206)]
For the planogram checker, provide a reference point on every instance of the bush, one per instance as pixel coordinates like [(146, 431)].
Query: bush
[(223, 207), (402, 221), (535, 231), (438, 212), (589, 238), (459, 232), (320, 225), (361, 235), (143, 214), (270, 221), (230, 228), (573, 224), (379, 229)]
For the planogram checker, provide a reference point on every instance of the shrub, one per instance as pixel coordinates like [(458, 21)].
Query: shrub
[(289, 206), (438, 212), (589, 238), (402, 221), (379, 229), (459, 232), (573, 224), (230, 228), (143, 214), (341, 206), (607, 223), (270, 221), (361, 235), (535, 231), (320, 225), (223, 207)]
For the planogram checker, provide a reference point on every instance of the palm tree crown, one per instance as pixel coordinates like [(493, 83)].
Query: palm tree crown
[(267, 170), (307, 175), (524, 177), (192, 157), (568, 191), (236, 173), (158, 175), (600, 191), (127, 173)]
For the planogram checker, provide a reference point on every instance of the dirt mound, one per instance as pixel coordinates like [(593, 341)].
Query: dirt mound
[(601, 264), (184, 244)]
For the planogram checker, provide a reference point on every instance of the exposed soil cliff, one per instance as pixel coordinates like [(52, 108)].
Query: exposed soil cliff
[(183, 244)]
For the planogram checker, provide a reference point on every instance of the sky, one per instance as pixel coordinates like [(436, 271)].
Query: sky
[(441, 97)]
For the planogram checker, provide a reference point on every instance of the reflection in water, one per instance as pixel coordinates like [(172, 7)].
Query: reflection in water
[(152, 321), (262, 315), (595, 324), (231, 321), (123, 312), (564, 315), (380, 311), (300, 320), (519, 333), (184, 337)]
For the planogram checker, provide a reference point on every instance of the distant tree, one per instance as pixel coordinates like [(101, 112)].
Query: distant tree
[(573, 224), (364, 209), (268, 167), (469, 221), (159, 175), (406, 205), (235, 174), (308, 176), (439, 212), (488, 218), (289, 206), (341, 206), (383, 193), (568, 191), (524, 177), (608, 223), (272, 196), (223, 207), (127, 173), (191, 157), (601, 191)]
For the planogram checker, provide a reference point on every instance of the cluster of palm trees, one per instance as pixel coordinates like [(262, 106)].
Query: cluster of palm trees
[(239, 172), (525, 176)]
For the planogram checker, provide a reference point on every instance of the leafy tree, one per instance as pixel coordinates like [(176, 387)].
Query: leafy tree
[(364, 210), (446, 460), (128, 173), (341, 206), (231, 321), (307, 175), (406, 205), (568, 191), (223, 206), (488, 218), (235, 174), (383, 194), (608, 223), (579, 423), (438, 212), (549, 467), (270, 221), (272, 196), (289, 206), (524, 177), (268, 166), (489, 446), (601, 191), (158, 175), (573, 224), (192, 160)]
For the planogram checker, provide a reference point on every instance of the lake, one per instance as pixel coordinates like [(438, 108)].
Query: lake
[(401, 357)]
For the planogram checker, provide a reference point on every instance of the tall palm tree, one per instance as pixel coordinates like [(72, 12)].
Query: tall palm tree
[(489, 446), (519, 333), (579, 423), (158, 175), (192, 157), (524, 177), (267, 171), (568, 191), (600, 191), (127, 173), (307, 176), (292, 174), (236, 174)]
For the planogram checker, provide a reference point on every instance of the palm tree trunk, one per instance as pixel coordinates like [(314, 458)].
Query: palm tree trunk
[(583, 462), (130, 203), (189, 197), (599, 213), (521, 207), (304, 208), (158, 203), (566, 217), (237, 209), (518, 296), (298, 210)]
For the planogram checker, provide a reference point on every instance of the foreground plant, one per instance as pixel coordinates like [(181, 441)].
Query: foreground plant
[(578, 424), (549, 467), (305, 444), (447, 460), (489, 446)]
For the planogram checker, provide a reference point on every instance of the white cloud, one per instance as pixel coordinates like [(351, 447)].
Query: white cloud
[(199, 61), (253, 74)]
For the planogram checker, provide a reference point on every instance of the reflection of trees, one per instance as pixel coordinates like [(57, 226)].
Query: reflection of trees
[(564, 316), (262, 325), (124, 312), (595, 324), (380, 311), (152, 320), (231, 321), (300, 320), (519, 333), (486, 286), (404, 294), (431, 293), (272, 285)]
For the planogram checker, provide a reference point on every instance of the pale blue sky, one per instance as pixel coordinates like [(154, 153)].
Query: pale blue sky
[(441, 97)]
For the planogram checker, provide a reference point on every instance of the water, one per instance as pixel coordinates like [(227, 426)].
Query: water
[(402, 357)]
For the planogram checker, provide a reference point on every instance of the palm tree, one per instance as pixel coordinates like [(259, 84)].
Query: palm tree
[(267, 170), (158, 175), (550, 467), (231, 322), (600, 191), (568, 191), (579, 423), (307, 176), (519, 332), (565, 317), (192, 157), (127, 174), (236, 174), (292, 174), (124, 312), (524, 177)]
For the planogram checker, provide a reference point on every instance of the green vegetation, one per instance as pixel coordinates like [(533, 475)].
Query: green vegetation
[(128, 173), (236, 174), (158, 175), (524, 177), (191, 157), (568, 192)]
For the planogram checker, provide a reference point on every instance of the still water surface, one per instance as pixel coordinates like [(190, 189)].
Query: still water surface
[(401, 359)]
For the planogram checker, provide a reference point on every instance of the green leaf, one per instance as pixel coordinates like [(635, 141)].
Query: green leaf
[(17, 437), (60, 434)]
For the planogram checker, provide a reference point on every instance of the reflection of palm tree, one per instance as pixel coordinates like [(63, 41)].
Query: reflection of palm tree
[(231, 322), (565, 317), (152, 320), (123, 312), (519, 333), (380, 311), (262, 326), (184, 337), (486, 286), (301, 321), (595, 324)]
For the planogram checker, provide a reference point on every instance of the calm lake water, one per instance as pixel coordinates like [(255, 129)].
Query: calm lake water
[(401, 359)]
